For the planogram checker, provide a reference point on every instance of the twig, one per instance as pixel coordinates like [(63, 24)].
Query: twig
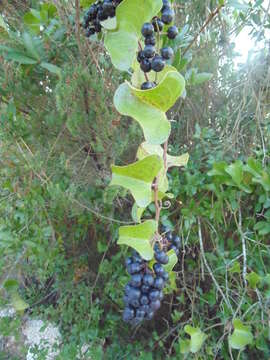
[(210, 18), (208, 267)]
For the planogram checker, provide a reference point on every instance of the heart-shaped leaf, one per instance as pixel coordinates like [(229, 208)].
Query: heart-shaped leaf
[(138, 178), (241, 336), (165, 94), (154, 123), (139, 237), (197, 338)]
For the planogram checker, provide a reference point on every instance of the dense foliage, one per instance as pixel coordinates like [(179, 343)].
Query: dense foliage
[(59, 134)]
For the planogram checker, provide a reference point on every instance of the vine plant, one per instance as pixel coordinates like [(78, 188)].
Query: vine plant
[(153, 89)]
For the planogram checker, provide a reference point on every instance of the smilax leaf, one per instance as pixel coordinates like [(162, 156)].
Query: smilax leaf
[(138, 237), (165, 94), (154, 123), (241, 336), (197, 338), (138, 178)]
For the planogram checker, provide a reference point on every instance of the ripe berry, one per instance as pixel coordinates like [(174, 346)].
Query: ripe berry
[(167, 53), (144, 308), (134, 268), (128, 261), (165, 276), (147, 29), (158, 269), (155, 305), (108, 7), (147, 85), (144, 300), (145, 289), (162, 257), (134, 302), (149, 315), (145, 65), (176, 250), (169, 236), (157, 64), (90, 31), (140, 56), (128, 314), (148, 280), (149, 51), (136, 257), (136, 280), (150, 40), (154, 295), (97, 26), (172, 32), (176, 241), (140, 314), (167, 16), (158, 24), (101, 15), (159, 283), (134, 293)]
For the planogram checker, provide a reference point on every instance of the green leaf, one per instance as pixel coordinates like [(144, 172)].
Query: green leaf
[(235, 268), (156, 127), (172, 261), (253, 279), (32, 22), (197, 338), (86, 3), (137, 213), (263, 227), (235, 170), (241, 336), (184, 346), (19, 57), (52, 68), (200, 78), (130, 16), (138, 178), (109, 24), (29, 44), (146, 149), (139, 237), (165, 94), (18, 303), (11, 285)]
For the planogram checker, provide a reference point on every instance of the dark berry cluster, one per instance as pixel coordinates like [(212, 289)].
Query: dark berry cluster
[(148, 57), (170, 240), (99, 11), (143, 293)]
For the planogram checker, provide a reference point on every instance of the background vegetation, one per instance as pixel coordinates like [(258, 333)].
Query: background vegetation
[(59, 133)]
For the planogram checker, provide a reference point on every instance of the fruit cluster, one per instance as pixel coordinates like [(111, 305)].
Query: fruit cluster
[(149, 58), (172, 241), (143, 293), (99, 11)]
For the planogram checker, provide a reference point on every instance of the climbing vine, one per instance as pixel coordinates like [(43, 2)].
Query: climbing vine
[(138, 35)]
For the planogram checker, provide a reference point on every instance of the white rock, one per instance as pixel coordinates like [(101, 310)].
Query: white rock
[(43, 336)]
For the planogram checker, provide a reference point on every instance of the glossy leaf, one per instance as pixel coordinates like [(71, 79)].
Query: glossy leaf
[(241, 336), (51, 68), (253, 279), (156, 127), (146, 149), (197, 338), (138, 178), (138, 237), (172, 261), (165, 94)]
